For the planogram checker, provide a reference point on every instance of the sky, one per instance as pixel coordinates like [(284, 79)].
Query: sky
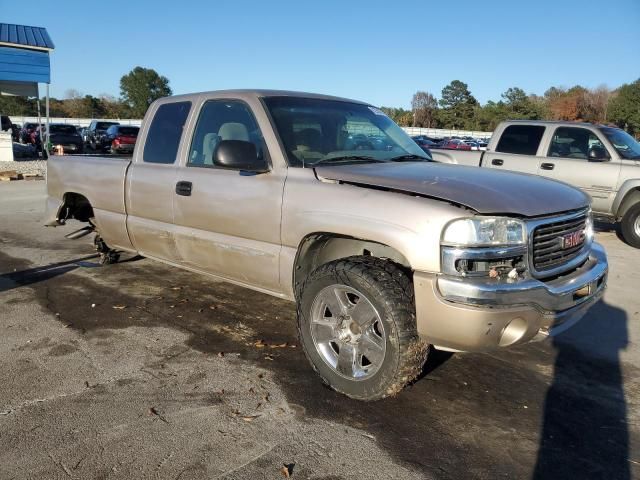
[(381, 52)]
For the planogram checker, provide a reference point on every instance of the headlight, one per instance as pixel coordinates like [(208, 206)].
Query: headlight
[(588, 228), (485, 231)]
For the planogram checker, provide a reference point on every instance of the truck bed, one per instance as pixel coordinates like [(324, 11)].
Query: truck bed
[(101, 178)]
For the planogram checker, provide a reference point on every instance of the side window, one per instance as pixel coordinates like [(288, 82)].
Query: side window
[(571, 142), (520, 139), (223, 120), (165, 132)]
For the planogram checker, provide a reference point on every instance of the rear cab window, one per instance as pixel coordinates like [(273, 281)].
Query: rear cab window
[(165, 132), (521, 139)]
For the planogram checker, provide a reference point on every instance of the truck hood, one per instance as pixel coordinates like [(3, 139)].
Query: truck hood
[(487, 191)]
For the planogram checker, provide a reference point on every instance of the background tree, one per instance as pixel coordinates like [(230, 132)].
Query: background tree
[(424, 106), (113, 107), (519, 106), (624, 107), (17, 106), (458, 106), (565, 104), (596, 103), (402, 117), (140, 87)]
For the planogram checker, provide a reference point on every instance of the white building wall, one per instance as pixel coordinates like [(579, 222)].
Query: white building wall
[(430, 132)]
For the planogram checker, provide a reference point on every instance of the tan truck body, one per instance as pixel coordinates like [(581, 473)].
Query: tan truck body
[(270, 231)]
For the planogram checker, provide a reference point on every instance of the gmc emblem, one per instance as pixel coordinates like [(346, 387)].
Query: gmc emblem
[(571, 240)]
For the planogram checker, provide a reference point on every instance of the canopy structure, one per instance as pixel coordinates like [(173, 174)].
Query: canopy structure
[(24, 62)]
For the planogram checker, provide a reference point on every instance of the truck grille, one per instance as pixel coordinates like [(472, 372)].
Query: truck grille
[(557, 243)]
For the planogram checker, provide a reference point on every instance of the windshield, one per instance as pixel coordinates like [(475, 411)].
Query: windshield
[(625, 144), (321, 131), (63, 129), (104, 125)]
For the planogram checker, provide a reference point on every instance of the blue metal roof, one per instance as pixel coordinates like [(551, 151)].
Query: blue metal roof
[(22, 65), (25, 37)]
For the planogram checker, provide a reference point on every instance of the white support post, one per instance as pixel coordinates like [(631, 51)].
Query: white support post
[(46, 136), (38, 106)]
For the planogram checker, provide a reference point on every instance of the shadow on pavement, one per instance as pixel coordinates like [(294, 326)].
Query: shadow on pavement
[(30, 276), (469, 416), (585, 423)]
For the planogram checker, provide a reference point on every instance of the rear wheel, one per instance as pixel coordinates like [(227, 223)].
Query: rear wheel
[(630, 226), (356, 320)]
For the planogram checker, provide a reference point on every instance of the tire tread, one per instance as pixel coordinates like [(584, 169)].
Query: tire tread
[(398, 299)]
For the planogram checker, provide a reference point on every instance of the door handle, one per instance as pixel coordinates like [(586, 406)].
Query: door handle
[(183, 188), (547, 166), (497, 161)]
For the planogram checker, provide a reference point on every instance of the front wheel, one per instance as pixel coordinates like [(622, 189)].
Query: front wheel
[(356, 320), (630, 226)]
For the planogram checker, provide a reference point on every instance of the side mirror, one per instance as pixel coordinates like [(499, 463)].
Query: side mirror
[(598, 154), (239, 155)]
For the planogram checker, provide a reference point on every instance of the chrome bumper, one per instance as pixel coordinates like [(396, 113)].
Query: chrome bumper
[(467, 313)]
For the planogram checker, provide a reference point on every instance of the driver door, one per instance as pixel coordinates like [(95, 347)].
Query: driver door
[(228, 221)]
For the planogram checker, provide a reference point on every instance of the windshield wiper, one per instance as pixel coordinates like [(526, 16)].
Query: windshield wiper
[(347, 158), (408, 158)]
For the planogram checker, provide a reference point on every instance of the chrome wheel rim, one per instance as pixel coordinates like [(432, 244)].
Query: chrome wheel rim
[(636, 226), (347, 332)]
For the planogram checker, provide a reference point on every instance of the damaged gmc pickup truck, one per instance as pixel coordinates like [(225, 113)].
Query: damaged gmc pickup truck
[(328, 203)]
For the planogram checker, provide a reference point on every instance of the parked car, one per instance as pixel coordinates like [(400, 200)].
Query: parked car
[(67, 136), (83, 131), (5, 123), (30, 134), (120, 139), (425, 138), (603, 161), (15, 132), (96, 131), (7, 126), (453, 144), (384, 252), (425, 145)]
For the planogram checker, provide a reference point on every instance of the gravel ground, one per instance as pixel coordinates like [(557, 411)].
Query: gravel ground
[(25, 167)]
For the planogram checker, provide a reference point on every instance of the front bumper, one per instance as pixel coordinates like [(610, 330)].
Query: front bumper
[(477, 314)]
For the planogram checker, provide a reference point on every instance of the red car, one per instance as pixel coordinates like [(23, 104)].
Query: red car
[(454, 144), (120, 139)]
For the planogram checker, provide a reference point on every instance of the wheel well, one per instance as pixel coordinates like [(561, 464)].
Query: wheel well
[(630, 199), (320, 248), (76, 206)]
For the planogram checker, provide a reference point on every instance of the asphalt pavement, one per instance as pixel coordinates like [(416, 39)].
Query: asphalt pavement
[(140, 370)]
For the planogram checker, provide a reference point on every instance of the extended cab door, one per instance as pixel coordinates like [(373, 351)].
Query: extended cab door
[(517, 149), (151, 181), (227, 220), (568, 159)]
